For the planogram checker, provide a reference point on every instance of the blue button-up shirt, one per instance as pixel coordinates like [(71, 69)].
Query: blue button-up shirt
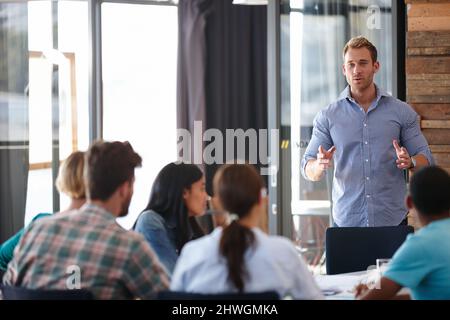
[(368, 188)]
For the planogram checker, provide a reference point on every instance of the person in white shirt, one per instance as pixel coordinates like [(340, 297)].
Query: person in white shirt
[(240, 258)]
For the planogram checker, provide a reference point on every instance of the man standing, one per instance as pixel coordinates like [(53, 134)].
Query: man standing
[(372, 137), (86, 248)]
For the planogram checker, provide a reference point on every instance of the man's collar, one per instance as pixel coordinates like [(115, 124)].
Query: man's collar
[(381, 92), (345, 94), (98, 210)]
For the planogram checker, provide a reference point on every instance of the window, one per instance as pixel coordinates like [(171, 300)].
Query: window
[(44, 108), (139, 88), (58, 120), (44, 95)]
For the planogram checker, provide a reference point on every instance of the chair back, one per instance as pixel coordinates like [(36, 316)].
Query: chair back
[(21, 293), (179, 295), (355, 249)]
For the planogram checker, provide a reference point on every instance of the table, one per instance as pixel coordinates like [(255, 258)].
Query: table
[(340, 286)]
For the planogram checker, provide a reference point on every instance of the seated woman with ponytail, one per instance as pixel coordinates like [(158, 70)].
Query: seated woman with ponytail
[(240, 257)]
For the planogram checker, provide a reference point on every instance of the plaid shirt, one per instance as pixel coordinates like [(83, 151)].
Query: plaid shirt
[(86, 247)]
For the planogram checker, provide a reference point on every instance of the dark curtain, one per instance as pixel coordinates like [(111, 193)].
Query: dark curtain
[(191, 63), (13, 117), (236, 70), (226, 60)]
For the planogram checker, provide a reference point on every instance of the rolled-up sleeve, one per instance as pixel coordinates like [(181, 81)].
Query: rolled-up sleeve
[(412, 138), (320, 137)]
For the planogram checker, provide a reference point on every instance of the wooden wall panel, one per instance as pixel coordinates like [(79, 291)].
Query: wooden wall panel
[(428, 99), (420, 10), (428, 72), (436, 51), (437, 136), (436, 148), (439, 84), (425, 1), (431, 39), (435, 124), (428, 65), (428, 111), (442, 159), (428, 24), (428, 90)]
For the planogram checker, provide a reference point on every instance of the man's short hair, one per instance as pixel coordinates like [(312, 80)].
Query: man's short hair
[(109, 165), (361, 42), (430, 191)]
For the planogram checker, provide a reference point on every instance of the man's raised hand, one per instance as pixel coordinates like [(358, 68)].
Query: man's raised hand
[(325, 157), (403, 159)]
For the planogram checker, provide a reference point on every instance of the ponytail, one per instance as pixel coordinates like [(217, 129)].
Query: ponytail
[(235, 240), (239, 189)]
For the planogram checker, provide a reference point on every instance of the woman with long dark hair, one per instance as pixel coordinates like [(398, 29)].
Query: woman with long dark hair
[(240, 257), (178, 195)]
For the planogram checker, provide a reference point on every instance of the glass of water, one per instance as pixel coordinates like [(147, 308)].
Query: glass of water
[(382, 265)]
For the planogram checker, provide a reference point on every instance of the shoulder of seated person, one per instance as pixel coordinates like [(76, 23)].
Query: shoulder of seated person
[(277, 242), (418, 240), (206, 241), (49, 219), (134, 240), (37, 218), (41, 215), (152, 218), (273, 238)]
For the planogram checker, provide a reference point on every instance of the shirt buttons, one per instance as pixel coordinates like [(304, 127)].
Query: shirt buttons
[(367, 160), (367, 178), (365, 124), (368, 196)]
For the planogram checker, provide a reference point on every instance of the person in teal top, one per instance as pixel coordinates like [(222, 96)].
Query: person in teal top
[(422, 263), (69, 181), (7, 248)]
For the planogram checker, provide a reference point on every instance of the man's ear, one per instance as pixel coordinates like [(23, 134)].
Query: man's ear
[(376, 65), (343, 69), (124, 189), (121, 190), (409, 202)]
